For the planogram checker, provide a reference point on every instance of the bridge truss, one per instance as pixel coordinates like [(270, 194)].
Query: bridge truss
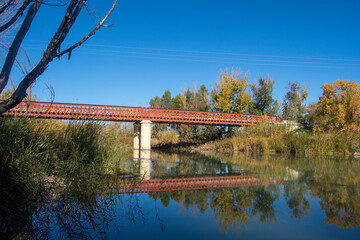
[(133, 114)]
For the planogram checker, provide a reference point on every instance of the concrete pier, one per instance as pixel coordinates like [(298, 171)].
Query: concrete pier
[(145, 135), (136, 136)]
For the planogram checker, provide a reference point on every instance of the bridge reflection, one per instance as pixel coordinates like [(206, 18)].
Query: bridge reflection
[(186, 184), (145, 184)]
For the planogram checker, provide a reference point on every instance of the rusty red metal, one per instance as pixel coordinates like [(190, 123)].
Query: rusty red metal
[(186, 184), (133, 114)]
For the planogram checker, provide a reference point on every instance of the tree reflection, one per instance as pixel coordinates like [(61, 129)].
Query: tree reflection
[(232, 206), (294, 193), (78, 211), (341, 203), (335, 182)]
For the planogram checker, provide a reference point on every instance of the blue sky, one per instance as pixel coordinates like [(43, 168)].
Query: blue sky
[(160, 45)]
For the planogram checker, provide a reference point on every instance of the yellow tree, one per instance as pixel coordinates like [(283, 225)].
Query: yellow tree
[(230, 93), (338, 108)]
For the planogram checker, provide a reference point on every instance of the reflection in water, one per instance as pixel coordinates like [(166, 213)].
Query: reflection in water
[(87, 214), (145, 164), (294, 193)]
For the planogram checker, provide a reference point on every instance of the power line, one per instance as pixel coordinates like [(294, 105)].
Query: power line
[(210, 52), (210, 59), (224, 53)]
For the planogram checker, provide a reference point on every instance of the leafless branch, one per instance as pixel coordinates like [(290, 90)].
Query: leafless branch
[(17, 15), (5, 6), (52, 51), (100, 24), (14, 48)]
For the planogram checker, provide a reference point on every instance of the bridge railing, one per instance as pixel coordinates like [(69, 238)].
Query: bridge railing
[(132, 114)]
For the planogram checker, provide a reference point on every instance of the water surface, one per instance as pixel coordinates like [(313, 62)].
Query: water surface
[(295, 198)]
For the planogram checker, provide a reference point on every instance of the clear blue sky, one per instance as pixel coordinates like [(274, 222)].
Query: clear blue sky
[(159, 45)]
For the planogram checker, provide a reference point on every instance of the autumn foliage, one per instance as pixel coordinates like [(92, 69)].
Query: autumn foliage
[(338, 108), (230, 94)]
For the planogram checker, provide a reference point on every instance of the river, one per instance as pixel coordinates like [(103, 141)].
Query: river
[(282, 197)]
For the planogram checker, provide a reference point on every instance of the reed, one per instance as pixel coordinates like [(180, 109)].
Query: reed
[(43, 158), (277, 138), (168, 136)]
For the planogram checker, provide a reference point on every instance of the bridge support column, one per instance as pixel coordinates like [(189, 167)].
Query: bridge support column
[(136, 136), (145, 164), (145, 135)]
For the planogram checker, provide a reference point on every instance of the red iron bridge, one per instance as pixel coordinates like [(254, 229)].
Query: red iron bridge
[(187, 184), (133, 114), (143, 117)]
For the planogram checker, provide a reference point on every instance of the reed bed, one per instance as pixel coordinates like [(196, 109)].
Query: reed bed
[(278, 138), (41, 159)]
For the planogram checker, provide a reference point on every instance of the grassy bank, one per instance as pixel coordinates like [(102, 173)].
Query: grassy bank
[(40, 159), (277, 138)]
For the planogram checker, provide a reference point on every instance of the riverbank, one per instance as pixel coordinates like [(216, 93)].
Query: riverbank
[(276, 139)]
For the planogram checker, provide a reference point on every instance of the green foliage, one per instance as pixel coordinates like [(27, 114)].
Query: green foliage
[(166, 99), (155, 102), (262, 101), (41, 157), (6, 94), (196, 100), (294, 107), (178, 102), (202, 99)]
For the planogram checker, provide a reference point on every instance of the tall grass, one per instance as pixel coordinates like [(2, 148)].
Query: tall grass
[(168, 136), (43, 158), (278, 138)]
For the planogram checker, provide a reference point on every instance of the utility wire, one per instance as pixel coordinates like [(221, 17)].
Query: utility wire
[(211, 52)]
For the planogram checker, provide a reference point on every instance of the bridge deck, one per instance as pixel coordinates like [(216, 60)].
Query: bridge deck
[(133, 114), (185, 184)]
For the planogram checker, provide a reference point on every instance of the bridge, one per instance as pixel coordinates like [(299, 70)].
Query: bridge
[(186, 184), (142, 117)]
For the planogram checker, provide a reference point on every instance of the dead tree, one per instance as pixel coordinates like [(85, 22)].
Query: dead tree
[(53, 49)]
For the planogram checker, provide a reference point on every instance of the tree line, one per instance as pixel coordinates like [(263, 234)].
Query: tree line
[(337, 109)]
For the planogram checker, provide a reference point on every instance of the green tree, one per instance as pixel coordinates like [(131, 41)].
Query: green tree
[(166, 99), (294, 107), (262, 100), (196, 100), (178, 102), (338, 108), (230, 93), (163, 102), (155, 102), (202, 99)]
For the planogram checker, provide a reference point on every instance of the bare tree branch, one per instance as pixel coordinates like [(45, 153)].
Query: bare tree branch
[(100, 24), (6, 5), (52, 51), (17, 15), (14, 48)]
